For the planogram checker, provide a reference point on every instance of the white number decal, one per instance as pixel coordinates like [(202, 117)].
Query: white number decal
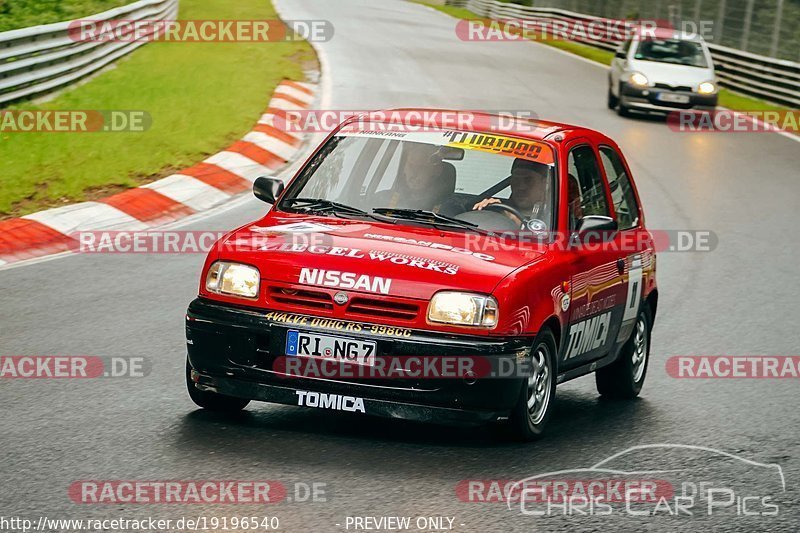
[(634, 289)]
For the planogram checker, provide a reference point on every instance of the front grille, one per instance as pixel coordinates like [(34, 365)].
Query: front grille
[(301, 298), (680, 88), (370, 307)]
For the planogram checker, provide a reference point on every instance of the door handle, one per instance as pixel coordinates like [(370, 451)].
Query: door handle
[(621, 265)]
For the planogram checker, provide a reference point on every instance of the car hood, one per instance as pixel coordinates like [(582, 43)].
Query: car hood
[(674, 75), (398, 260)]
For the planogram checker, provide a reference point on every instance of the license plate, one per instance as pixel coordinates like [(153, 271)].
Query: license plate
[(675, 98), (299, 344)]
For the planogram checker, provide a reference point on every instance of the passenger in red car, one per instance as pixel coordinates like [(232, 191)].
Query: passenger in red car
[(423, 182)]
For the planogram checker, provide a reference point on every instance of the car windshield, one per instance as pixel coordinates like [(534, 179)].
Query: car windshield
[(432, 178), (675, 51)]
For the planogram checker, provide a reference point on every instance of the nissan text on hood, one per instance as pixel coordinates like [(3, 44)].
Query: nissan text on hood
[(434, 274)]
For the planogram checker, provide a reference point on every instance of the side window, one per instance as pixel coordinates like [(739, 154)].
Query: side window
[(621, 191), (587, 195)]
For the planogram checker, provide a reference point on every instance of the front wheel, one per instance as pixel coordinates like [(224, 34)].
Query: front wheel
[(623, 379), (537, 392), (612, 100), (211, 400)]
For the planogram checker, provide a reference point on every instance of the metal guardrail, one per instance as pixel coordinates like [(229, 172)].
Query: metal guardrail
[(43, 58), (763, 77)]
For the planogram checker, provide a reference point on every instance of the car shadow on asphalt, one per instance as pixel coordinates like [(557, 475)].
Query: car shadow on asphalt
[(574, 412)]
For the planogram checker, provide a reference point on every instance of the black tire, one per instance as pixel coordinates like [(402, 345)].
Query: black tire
[(528, 423), (623, 379), (211, 400), (612, 100), (622, 109)]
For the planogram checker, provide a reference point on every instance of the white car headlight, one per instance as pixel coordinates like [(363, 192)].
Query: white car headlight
[(463, 309), (639, 79), (233, 279), (707, 87)]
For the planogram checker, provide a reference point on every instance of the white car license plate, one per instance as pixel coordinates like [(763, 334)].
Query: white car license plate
[(675, 98), (340, 349)]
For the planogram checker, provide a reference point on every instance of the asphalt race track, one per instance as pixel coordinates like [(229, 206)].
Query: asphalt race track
[(741, 298)]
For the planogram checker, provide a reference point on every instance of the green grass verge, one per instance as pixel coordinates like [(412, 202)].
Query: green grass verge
[(727, 98), (201, 97), (458, 12), (16, 14)]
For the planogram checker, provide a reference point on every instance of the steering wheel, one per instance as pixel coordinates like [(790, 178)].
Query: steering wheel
[(508, 209)]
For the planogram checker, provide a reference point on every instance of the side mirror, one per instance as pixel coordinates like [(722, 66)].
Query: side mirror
[(267, 189), (621, 55), (594, 228)]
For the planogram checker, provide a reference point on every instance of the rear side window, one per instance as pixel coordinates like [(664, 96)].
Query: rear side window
[(587, 194), (621, 191)]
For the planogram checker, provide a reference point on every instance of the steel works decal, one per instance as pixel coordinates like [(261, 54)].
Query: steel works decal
[(372, 255), (428, 244)]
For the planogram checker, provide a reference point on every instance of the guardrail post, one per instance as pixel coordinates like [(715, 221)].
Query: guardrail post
[(720, 23), (697, 6), (748, 18), (776, 32)]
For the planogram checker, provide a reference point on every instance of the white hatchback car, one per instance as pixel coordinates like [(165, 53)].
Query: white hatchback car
[(662, 70)]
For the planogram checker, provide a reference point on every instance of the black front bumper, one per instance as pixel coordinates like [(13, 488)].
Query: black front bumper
[(649, 99), (232, 352)]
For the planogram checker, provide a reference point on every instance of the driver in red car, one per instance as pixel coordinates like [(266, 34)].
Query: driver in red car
[(528, 190)]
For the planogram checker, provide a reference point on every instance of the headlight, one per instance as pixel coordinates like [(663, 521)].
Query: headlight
[(707, 87), (637, 78), (233, 279), (463, 309)]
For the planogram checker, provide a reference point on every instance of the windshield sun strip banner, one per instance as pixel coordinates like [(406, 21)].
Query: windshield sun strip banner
[(485, 142)]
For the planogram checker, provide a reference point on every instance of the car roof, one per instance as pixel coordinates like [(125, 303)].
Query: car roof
[(480, 122), (666, 33)]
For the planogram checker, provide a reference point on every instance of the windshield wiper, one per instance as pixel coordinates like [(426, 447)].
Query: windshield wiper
[(320, 205), (435, 219)]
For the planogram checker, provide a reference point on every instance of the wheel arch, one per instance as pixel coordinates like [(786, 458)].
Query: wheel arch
[(652, 304), (554, 325)]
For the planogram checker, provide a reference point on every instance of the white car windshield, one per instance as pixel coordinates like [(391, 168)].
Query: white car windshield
[(677, 51), (431, 177)]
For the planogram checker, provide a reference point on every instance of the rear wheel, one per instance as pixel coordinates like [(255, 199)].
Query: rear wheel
[(537, 392), (623, 379), (211, 400)]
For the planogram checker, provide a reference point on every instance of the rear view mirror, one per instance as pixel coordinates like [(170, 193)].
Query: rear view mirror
[(594, 228), (267, 189), (450, 153)]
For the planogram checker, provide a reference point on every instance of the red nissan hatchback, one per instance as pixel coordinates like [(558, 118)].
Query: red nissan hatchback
[(416, 270)]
